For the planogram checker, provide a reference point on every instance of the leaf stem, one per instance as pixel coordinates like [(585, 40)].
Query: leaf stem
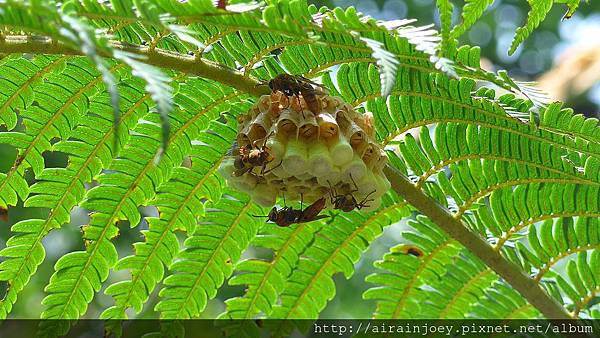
[(457, 230)]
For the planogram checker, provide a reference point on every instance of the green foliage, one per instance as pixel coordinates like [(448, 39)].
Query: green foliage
[(208, 257), (472, 10), (522, 175), (536, 15)]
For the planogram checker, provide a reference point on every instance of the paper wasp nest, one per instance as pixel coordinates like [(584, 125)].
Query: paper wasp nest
[(310, 152)]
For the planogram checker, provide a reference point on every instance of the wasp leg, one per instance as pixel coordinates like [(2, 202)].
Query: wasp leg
[(275, 167), (332, 193), (241, 172), (355, 186), (363, 203), (369, 194)]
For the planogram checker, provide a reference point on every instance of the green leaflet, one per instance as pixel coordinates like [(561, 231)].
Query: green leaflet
[(208, 256), (536, 15), (472, 10)]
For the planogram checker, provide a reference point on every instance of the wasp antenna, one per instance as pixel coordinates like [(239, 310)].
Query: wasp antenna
[(263, 83), (259, 216)]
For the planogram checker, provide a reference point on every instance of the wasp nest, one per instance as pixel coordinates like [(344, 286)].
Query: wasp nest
[(286, 150)]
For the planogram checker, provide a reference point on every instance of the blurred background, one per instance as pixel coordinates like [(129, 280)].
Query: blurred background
[(564, 56)]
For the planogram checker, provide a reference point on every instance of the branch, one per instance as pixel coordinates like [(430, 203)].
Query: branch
[(457, 230), (156, 57)]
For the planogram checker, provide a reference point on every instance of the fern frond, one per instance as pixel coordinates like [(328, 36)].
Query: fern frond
[(179, 202), (562, 121), (266, 279), (472, 11), (556, 240), (537, 13), (69, 92), (511, 211), (495, 167), (445, 8), (16, 93), (132, 179), (207, 260), (60, 189), (582, 287), (65, 96)]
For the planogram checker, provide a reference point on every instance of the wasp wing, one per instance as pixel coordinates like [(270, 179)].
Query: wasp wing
[(319, 88), (311, 213)]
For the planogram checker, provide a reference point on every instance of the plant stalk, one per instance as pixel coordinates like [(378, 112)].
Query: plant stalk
[(156, 57)]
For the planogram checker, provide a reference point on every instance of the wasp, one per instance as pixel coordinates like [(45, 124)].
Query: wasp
[(252, 156), (296, 85), (3, 214), (220, 4), (287, 216), (347, 202)]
